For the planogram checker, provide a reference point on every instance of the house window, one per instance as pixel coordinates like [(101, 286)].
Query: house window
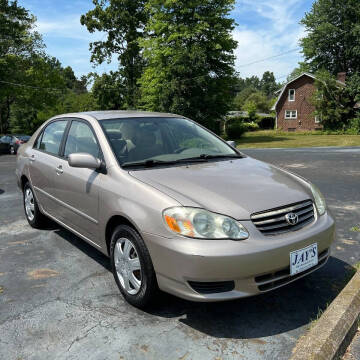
[(290, 114), (292, 95), (317, 119)]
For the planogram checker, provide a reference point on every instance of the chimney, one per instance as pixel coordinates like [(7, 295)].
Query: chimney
[(341, 76)]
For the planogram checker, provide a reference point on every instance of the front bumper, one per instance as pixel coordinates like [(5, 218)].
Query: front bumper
[(258, 260)]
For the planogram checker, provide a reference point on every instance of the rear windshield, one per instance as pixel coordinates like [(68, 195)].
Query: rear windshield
[(163, 139)]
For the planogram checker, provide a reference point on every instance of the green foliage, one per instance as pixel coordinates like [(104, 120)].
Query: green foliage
[(332, 39), (268, 84), (250, 107), (123, 21), (20, 48), (235, 130), (252, 89), (354, 126), (333, 103), (189, 57), (71, 82), (266, 122), (262, 104), (108, 91), (250, 126), (241, 97)]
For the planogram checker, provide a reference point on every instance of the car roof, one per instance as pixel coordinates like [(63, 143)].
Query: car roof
[(116, 114)]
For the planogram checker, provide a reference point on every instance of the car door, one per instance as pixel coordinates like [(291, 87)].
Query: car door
[(43, 161), (5, 144), (78, 188)]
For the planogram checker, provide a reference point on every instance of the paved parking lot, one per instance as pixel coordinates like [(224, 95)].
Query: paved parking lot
[(58, 299)]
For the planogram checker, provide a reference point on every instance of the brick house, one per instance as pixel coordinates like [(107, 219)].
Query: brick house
[(294, 111)]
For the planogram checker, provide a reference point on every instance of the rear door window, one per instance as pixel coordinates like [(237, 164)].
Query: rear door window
[(52, 137)]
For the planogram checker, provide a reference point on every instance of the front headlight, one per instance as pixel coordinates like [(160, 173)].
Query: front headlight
[(200, 223), (319, 200)]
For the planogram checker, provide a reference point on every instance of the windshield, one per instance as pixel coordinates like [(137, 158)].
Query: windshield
[(150, 140)]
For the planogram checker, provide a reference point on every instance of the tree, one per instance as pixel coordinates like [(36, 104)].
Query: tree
[(268, 84), (123, 21), (250, 107), (241, 97), (260, 100), (108, 91), (18, 44), (333, 101), (190, 60), (42, 86), (79, 86), (333, 36), (298, 71)]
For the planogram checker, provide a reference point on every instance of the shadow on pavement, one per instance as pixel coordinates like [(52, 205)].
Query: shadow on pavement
[(2, 191), (272, 313)]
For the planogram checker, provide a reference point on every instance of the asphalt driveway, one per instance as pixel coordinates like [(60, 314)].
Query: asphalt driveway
[(58, 299)]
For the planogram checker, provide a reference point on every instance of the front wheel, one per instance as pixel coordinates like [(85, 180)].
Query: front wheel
[(12, 150), (32, 212), (132, 266)]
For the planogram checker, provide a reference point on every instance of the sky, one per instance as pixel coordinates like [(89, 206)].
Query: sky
[(265, 28)]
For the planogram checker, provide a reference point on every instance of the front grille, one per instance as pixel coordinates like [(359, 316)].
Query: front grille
[(273, 222), (212, 287), (272, 280)]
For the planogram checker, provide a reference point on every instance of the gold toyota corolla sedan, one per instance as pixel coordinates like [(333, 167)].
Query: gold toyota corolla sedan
[(174, 206)]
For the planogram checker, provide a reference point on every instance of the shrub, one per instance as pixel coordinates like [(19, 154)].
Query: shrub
[(354, 126), (266, 122), (250, 126), (235, 130)]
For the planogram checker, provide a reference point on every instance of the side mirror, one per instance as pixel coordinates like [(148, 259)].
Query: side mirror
[(232, 143), (84, 160)]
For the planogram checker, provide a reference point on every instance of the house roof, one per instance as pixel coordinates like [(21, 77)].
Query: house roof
[(292, 80)]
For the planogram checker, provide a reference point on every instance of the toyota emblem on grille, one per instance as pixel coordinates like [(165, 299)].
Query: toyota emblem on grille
[(291, 218)]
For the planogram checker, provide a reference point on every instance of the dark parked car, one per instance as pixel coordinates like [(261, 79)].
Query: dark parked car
[(11, 143)]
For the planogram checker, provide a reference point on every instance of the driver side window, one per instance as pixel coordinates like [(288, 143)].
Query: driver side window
[(81, 139)]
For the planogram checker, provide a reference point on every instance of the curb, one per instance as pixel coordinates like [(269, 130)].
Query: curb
[(333, 332)]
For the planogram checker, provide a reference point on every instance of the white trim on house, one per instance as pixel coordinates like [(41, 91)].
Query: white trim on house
[(291, 96), (317, 119), (291, 113)]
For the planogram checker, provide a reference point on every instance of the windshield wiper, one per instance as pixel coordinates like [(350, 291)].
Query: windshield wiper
[(147, 163), (221, 156), (154, 162), (201, 158)]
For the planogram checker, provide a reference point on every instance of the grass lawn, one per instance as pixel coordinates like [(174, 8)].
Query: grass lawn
[(276, 139)]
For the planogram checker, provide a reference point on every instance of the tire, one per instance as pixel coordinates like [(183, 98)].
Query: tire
[(136, 279), (12, 150), (32, 212)]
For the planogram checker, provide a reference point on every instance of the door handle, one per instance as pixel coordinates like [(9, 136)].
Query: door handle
[(59, 170), (32, 158)]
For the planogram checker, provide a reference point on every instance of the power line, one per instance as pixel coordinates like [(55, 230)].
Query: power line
[(30, 86), (270, 57)]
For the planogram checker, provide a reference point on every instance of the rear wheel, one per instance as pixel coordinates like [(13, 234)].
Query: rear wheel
[(32, 212), (132, 267)]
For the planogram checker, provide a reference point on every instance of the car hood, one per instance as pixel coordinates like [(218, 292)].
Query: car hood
[(236, 188)]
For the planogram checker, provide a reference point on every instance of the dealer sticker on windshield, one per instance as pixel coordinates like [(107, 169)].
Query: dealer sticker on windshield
[(303, 259)]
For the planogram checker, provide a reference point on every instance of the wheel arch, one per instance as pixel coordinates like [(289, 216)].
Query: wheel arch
[(23, 180), (114, 221)]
